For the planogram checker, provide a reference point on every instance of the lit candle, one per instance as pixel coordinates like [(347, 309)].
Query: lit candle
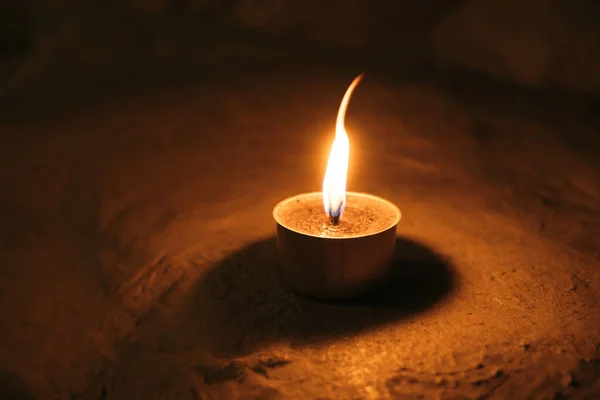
[(345, 250)]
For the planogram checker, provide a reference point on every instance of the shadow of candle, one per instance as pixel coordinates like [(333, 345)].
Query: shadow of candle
[(240, 304)]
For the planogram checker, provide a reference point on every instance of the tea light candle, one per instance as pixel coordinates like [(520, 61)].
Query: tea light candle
[(344, 249)]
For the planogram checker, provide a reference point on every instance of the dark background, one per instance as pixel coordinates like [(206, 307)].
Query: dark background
[(535, 43)]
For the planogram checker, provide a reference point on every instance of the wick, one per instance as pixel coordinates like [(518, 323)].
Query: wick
[(335, 219)]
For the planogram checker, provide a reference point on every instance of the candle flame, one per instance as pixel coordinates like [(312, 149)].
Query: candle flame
[(334, 183)]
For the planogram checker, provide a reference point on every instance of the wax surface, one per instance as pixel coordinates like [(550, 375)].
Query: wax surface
[(363, 215)]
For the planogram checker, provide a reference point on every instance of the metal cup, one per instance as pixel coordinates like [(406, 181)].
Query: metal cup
[(335, 268)]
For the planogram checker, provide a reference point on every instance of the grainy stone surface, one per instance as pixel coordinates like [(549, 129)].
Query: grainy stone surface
[(137, 237)]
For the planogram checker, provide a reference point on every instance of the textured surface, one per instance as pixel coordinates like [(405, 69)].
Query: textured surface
[(136, 238), (363, 215)]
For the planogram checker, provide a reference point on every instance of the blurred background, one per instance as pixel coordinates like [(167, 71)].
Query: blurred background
[(551, 43)]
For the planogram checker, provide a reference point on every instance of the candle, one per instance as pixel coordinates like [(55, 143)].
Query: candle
[(333, 243)]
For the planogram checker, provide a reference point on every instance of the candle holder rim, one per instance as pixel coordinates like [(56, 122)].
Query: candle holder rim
[(360, 194)]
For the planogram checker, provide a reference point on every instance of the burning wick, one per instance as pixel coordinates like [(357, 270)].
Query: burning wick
[(335, 219), (334, 183)]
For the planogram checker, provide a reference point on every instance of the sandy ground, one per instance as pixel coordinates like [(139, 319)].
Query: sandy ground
[(139, 261)]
